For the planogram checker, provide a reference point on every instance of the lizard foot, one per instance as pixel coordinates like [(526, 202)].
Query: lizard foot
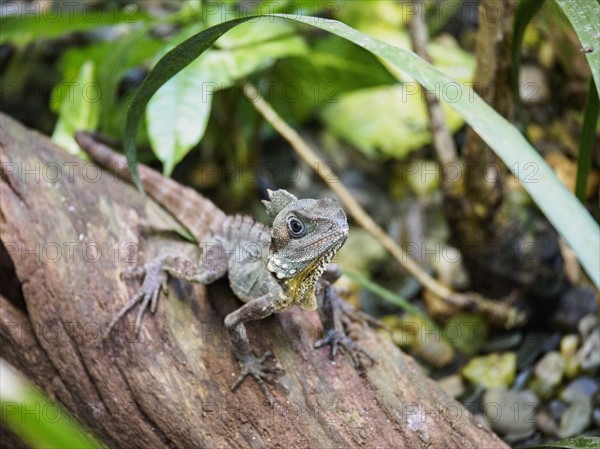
[(154, 280), (337, 339), (255, 367)]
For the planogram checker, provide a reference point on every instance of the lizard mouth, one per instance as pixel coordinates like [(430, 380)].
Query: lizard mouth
[(337, 237)]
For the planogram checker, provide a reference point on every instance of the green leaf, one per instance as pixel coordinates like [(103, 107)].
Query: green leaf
[(570, 443), (561, 207), (35, 419), (588, 139), (371, 120), (332, 67), (21, 25), (178, 113), (584, 16), (79, 107)]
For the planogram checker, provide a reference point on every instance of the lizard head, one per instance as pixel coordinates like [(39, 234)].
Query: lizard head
[(305, 235)]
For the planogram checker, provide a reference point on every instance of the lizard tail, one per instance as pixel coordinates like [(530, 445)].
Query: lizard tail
[(196, 213)]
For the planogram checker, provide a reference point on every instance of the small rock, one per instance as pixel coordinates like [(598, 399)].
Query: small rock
[(434, 350), (511, 412), (572, 306), (575, 419), (453, 385), (589, 354), (580, 389), (587, 325), (546, 423), (493, 370), (548, 372), (568, 351)]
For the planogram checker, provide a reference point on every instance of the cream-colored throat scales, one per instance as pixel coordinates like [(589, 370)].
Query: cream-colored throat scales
[(302, 286)]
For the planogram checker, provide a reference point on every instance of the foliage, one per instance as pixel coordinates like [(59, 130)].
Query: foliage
[(35, 419), (559, 205), (571, 443)]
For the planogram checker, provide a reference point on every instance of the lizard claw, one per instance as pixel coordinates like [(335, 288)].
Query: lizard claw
[(337, 339), (154, 281), (255, 367)]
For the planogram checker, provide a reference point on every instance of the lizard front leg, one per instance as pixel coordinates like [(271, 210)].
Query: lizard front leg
[(332, 310), (155, 275), (250, 364)]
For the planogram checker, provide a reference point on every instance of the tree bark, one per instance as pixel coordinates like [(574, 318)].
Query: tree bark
[(69, 229)]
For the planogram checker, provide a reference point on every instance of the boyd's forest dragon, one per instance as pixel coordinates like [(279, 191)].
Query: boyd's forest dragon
[(269, 268)]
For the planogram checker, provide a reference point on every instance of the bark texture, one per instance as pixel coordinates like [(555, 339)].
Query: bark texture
[(69, 229)]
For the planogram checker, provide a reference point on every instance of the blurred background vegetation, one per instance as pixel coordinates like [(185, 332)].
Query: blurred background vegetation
[(73, 65)]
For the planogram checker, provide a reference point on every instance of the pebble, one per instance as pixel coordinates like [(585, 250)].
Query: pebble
[(511, 413), (588, 355), (453, 385), (434, 350), (575, 419), (580, 389), (493, 370), (548, 372), (568, 351), (587, 325)]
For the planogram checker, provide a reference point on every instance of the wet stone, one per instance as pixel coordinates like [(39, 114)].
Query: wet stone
[(511, 413), (548, 372), (575, 419), (580, 389), (588, 355)]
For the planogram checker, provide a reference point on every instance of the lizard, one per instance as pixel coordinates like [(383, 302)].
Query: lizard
[(270, 268)]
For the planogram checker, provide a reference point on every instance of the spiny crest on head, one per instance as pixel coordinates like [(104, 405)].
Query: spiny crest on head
[(278, 199)]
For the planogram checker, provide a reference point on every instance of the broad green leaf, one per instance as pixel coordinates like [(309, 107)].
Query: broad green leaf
[(79, 107), (177, 115), (332, 67), (561, 207), (21, 25), (372, 120), (584, 15)]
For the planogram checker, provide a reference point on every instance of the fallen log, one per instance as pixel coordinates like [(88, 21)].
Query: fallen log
[(68, 229)]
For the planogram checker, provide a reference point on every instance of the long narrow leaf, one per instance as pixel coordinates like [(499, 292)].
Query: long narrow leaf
[(561, 207), (586, 145), (584, 15)]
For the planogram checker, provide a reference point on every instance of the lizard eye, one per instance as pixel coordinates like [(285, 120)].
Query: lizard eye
[(296, 227)]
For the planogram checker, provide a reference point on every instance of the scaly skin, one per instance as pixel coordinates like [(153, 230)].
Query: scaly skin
[(269, 269)]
